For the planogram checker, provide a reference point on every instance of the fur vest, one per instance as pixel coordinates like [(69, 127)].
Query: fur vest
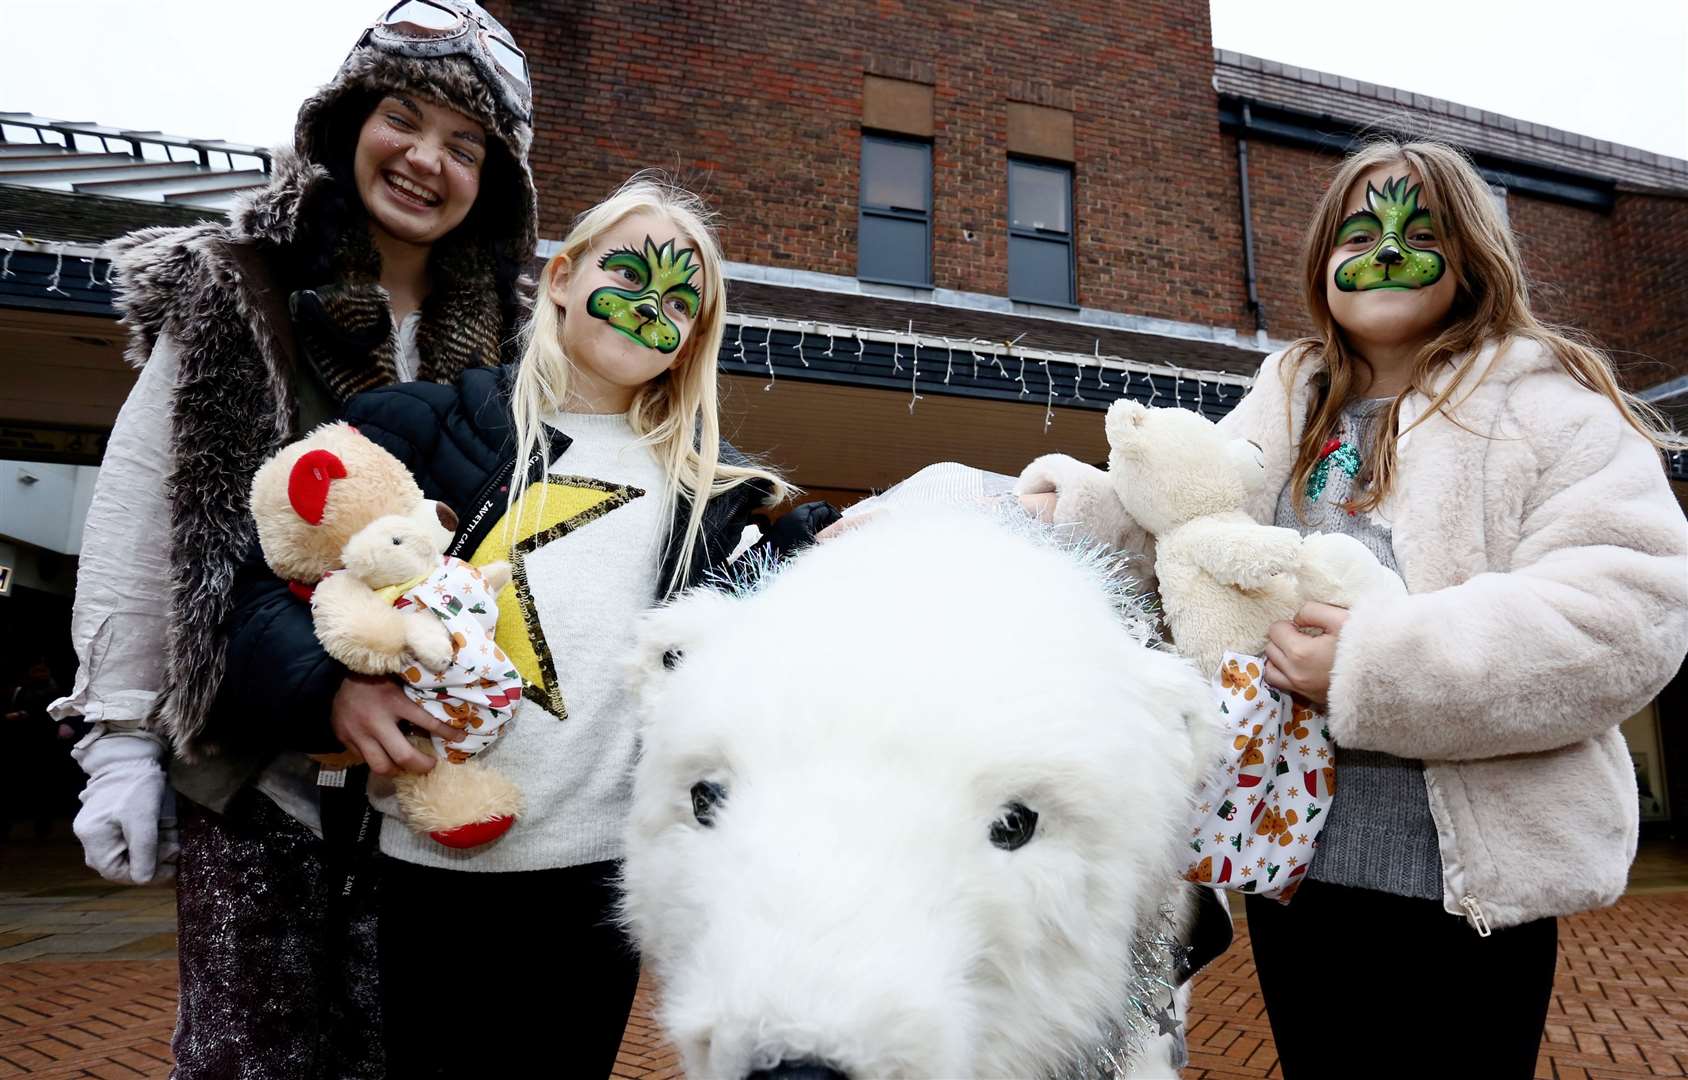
[(241, 393)]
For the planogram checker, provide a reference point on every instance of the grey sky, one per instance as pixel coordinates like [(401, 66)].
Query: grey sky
[(1612, 69), (237, 69)]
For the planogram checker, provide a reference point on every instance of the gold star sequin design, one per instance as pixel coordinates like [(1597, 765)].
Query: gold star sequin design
[(550, 509)]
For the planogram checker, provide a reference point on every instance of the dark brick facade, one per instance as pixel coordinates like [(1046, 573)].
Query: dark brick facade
[(761, 110), (1647, 263)]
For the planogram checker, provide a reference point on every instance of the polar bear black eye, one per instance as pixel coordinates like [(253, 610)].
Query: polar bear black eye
[(397, 541), (1013, 828), (706, 796)]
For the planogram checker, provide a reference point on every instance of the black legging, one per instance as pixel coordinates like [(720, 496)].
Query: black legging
[(1362, 983), (513, 974)]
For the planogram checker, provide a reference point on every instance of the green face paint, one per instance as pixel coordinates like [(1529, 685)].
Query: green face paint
[(1392, 217), (659, 281)]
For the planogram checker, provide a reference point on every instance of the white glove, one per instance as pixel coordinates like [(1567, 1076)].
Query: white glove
[(127, 823)]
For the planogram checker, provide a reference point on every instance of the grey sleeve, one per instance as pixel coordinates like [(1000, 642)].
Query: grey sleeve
[(119, 621)]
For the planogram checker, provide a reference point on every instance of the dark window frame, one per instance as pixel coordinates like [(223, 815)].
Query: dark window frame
[(865, 210), (1047, 235)]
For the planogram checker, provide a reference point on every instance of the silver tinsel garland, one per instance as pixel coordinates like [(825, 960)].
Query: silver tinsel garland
[(1156, 958)]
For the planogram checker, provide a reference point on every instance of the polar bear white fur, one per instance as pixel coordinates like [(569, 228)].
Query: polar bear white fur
[(836, 768)]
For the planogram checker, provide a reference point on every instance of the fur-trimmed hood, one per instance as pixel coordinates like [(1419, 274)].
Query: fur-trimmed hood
[(504, 217)]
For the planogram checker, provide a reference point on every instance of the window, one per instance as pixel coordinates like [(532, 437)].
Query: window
[(1040, 233), (894, 240)]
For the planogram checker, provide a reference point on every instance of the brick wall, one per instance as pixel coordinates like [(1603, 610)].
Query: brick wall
[(1284, 185), (1648, 266), (760, 108), (1566, 254)]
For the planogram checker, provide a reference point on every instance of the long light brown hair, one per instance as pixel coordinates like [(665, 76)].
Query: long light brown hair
[(1491, 303)]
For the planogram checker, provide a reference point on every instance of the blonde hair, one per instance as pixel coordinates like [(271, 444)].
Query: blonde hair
[(675, 413), (1491, 303)]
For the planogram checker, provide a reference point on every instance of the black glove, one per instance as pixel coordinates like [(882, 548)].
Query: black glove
[(799, 527)]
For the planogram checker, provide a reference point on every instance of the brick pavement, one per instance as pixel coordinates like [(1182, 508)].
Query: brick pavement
[(87, 988)]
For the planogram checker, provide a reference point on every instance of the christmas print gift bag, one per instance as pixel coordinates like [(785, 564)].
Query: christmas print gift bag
[(1257, 818)]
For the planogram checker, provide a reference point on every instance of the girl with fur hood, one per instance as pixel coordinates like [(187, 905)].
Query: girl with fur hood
[(1498, 466), (597, 469), (388, 247)]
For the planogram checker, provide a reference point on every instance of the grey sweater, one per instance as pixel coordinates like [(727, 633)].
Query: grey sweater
[(1380, 834)]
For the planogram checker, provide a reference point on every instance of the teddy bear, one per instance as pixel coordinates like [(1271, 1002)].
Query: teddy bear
[(345, 524), (1224, 578)]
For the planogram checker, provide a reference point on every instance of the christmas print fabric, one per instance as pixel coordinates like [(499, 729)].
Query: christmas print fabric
[(478, 691), (1257, 818)]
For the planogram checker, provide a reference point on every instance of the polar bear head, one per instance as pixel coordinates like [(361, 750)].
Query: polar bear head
[(899, 811)]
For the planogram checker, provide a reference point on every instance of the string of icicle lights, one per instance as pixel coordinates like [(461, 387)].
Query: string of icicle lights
[(928, 360)]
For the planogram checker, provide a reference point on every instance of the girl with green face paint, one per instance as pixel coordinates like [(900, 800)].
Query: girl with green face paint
[(595, 467), (1498, 466)]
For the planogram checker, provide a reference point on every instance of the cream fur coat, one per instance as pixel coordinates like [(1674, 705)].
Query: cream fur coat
[(1547, 564)]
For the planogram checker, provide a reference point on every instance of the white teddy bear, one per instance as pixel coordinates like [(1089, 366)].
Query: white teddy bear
[(1224, 578)]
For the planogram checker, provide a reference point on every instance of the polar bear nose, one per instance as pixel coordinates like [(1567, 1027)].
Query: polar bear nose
[(805, 1069)]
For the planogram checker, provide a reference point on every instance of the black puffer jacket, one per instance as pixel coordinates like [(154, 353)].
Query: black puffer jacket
[(459, 442)]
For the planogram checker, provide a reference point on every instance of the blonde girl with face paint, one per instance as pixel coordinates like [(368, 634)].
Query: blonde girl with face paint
[(595, 466), (1483, 786)]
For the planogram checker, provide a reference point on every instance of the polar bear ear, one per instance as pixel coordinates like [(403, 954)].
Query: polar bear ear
[(664, 636)]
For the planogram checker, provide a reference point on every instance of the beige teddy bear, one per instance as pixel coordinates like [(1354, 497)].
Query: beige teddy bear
[(345, 523), (1224, 578)]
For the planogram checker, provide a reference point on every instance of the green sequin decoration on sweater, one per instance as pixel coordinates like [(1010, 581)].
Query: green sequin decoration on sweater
[(1344, 457)]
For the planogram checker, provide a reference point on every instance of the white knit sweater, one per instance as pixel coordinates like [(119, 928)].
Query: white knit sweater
[(588, 572)]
